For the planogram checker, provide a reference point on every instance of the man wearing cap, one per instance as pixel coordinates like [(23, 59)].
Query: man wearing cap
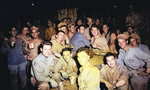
[(72, 30), (135, 43), (31, 48), (135, 60)]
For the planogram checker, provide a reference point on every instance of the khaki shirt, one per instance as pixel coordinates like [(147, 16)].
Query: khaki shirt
[(70, 68), (89, 78), (120, 73)]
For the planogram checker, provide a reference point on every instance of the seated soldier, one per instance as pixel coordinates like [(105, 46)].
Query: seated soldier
[(114, 76), (99, 45), (59, 43), (68, 70), (44, 68), (89, 78)]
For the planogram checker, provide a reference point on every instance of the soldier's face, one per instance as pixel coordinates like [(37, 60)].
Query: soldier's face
[(81, 29), (105, 28), (34, 33), (83, 57), (122, 43), (72, 29), (94, 31), (13, 31), (111, 61), (67, 55), (79, 22), (133, 42), (25, 31), (46, 50), (60, 36)]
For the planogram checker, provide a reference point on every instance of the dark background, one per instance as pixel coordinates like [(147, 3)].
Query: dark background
[(23, 10)]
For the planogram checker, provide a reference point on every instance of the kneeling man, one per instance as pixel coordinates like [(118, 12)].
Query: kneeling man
[(114, 76)]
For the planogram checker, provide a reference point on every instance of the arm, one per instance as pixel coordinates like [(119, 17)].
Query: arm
[(108, 85)]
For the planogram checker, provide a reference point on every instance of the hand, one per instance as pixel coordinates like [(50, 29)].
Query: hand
[(64, 74), (143, 74), (109, 86), (57, 54), (53, 83), (33, 81)]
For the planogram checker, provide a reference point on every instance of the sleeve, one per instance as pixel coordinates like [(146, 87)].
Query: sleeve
[(124, 75), (120, 59), (38, 71), (142, 56), (102, 72), (146, 49), (84, 40)]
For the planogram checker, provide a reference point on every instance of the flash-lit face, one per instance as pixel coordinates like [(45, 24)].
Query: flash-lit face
[(81, 29), (122, 43), (60, 36), (105, 28), (72, 29), (111, 61), (46, 50), (83, 57), (13, 32), (94, 31), (25, 31), (67, 55), (34, 33)]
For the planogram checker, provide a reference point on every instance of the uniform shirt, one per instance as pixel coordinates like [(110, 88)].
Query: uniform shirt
[(57, 47), (69, 67), (134, 58), (144, 48), (87, 33), (89, 78), (120, 73), (78, 40), (43, 67)]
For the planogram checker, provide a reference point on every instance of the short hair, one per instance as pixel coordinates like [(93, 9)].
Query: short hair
[(84, 49), (95, 26), (34, 28), (26, 27), (66, 49), (107, 55), (45, 43), (105, 24), (64, 19), (80, 26), (131, 27), (60, 31)]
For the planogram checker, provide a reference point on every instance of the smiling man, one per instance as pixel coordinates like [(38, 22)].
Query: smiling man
[(114, 76)]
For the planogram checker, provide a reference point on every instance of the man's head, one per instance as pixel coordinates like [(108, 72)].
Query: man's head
[(64, 28), (60, 35), (13, 31), (25, 30), (83, 55), (81, 29), (49, 23), (94, 30), (89, 22), (134, 40), (79, 21), (105, 28), (130, 30), (34, 32), (66, 53), (97, 21), (109, 59), (45, 48), (122, 40), (64, 20), (72, 27)]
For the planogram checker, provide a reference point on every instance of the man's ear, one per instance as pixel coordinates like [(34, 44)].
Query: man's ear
[(41, 49), (127, 41), (10, 32), (38, 33), (28, 32), (78, 30), (108, 27)]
